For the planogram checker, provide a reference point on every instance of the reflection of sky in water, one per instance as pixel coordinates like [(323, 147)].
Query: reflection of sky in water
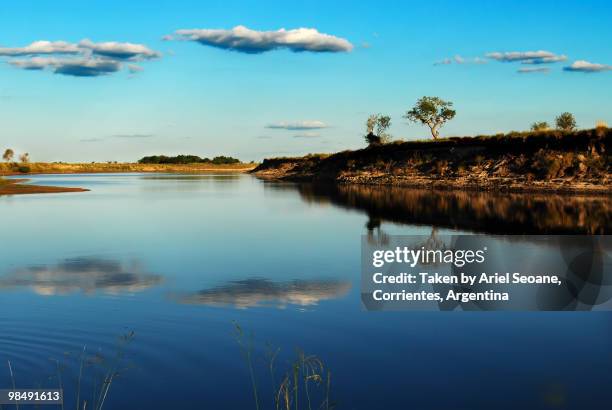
[(261, 292), (86, 275), (185, 237)]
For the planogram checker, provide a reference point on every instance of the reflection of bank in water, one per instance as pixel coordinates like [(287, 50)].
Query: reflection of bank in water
[(471, 211)]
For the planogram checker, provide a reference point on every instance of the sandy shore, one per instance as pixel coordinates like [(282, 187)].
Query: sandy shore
[(16, 187)]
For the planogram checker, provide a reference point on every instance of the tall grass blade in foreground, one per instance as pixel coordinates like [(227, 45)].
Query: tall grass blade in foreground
[(305, 384), (247, 350), (12, 380)]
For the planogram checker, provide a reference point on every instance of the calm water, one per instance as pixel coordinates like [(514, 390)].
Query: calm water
[(177, 259)]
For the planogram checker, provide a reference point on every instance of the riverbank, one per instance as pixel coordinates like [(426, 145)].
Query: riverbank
[(99, 168), (550, 161), (16, 187)]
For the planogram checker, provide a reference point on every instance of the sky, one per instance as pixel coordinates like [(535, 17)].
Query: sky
[(114, 80)]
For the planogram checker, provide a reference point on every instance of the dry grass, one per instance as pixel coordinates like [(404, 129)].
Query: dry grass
[(87, 168), (304, 384)]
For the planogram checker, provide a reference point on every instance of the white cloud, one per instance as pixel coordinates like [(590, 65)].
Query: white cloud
[(134, 68), (307, 135), (446, 61), (88, 59), (78, 67), (41, 47), (119, 51), (527, 57), (245, 40), (298, 125), (531, 70), (545, 60), (457, 59), (587, 67)]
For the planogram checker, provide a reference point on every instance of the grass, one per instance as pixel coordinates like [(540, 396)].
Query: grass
[(99, 167), (568, 161), (104, 373), (304, 384), (514, 141)]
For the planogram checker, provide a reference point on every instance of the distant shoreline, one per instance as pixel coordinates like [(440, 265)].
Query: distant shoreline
[(42, 168), (16, 186)]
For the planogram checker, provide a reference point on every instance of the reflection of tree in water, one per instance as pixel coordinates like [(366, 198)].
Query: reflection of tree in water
[(378, 237), (472, 211)]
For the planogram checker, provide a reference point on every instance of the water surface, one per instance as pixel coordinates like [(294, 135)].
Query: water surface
[(179, 258)]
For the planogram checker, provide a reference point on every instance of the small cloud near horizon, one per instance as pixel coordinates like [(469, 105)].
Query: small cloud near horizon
[(135, 136), (298, 125), (527, 57), (245, 40), (587, 67), (531, 70), (119, 136), (457, 59), (307, 135)]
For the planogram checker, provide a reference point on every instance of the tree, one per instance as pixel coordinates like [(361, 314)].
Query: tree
[(376, 128), (566, 122), (24, 158), (433, 112), (8, 155), (540, 126)]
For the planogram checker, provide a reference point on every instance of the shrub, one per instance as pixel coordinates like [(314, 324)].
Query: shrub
[(187, 159), (373, 139), (24, 169), (566, 122), (540, 126)]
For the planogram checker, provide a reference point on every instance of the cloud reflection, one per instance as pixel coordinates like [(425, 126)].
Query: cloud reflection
[(248, 293), (86, 275)]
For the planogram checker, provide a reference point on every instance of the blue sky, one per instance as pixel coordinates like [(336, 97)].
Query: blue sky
[(210, 97)]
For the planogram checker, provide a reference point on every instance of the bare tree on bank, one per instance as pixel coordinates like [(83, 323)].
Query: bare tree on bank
[(376, 128)]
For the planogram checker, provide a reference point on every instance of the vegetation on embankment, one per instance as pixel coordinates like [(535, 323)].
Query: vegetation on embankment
[(15, 187), (97, 167), (559, 161), (188, 159)]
